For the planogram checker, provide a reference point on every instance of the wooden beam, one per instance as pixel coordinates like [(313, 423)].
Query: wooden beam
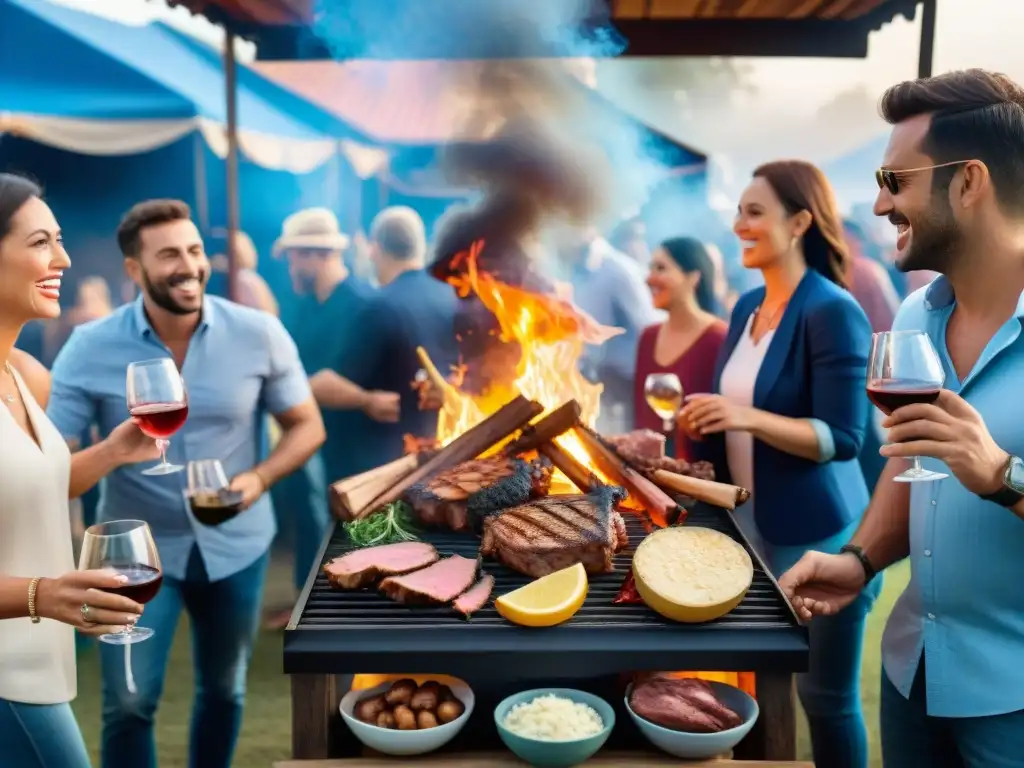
[(231, 164), (926, 53)]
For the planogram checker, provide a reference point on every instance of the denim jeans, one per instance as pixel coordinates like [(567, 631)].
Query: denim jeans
[(300, 502), (912, 738), (40, 736), (224, 617), (830, 689)]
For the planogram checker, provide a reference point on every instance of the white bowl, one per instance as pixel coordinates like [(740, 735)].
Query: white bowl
[(405, 743), (701, 746)]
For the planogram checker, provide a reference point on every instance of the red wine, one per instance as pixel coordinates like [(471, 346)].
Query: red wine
[(890, 394), (143, 582), (214, 508), (160, 420)]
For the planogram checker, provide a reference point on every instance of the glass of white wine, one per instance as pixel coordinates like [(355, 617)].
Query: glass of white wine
[(664, 394)]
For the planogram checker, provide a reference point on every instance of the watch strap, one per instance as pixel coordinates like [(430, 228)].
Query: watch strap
[(869, 569), (1006, 496)]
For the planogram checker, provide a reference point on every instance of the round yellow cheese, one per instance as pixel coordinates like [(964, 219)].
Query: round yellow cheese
[(691, 574)]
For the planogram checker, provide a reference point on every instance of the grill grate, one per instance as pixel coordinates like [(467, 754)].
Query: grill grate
[(327, 608)]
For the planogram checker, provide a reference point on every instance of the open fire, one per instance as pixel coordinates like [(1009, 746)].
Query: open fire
[(551, 334)]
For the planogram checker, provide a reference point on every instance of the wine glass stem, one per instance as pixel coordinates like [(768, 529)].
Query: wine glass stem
[(162, 445), (917, 469), (669, 425)]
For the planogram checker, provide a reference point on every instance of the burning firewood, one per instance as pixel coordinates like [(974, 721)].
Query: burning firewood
[(559, 421), (472, 443), (351, 495), (659, 505)]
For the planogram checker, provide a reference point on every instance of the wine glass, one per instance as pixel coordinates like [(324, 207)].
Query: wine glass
[(209, 497), (127, 548), (158, 403), (664, 394), (905, 368)]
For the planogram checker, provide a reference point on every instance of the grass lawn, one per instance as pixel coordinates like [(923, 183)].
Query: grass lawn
[(266, 734)]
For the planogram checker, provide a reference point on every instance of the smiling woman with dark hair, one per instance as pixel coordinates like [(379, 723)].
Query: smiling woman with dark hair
[(787, 416), (42, 597)]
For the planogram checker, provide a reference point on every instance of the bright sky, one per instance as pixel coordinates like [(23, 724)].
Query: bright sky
[(970, 33)]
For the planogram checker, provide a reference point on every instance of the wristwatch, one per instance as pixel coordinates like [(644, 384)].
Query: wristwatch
[(869, 569), (1013, 484)]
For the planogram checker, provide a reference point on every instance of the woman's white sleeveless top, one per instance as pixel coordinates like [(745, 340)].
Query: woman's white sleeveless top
[(37, 661)]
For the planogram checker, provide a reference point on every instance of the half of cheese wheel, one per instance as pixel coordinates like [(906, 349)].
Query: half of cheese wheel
[(691, 574)]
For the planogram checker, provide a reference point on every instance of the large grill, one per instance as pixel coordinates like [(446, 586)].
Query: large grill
[(338, 632)]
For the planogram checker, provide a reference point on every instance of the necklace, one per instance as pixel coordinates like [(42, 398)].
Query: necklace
[(770, 318), (9, 398)]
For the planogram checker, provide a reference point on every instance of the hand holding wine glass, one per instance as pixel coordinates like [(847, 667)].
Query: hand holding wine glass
[(158, 404), (209, 495), (904, 368), (61, 599), (126, 548)]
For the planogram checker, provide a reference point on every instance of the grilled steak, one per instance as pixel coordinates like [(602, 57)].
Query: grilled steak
[(476, 598), (639, 442), (467, 492), (441, 582), (700, 469), (546, 535), (364, 566), (684, 704)]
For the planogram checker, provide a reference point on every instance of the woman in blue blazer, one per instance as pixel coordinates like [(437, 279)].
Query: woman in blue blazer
[(786, 419)]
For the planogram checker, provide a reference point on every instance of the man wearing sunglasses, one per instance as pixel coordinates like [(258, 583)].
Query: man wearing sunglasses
[(952, 183)]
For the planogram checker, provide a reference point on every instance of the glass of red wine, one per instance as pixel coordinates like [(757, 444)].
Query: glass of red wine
[(125, 547), (209, 497), (159, 404), (905, 368)]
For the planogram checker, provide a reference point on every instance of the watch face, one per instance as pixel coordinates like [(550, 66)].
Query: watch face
[(1015, 474)]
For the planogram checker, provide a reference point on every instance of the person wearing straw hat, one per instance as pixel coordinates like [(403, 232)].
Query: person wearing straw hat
[(329, 298)]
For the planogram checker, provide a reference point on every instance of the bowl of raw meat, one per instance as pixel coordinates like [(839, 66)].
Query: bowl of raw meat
[(409, 716), (554, 727), (690, 718)]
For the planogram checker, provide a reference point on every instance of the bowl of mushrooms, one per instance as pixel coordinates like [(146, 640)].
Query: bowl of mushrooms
[(408, 717)]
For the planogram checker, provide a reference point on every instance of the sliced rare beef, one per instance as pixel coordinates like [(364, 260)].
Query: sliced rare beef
[(364, 566), (476, 598), (682, 704), (546, 535), (441, 582), (462, 496)]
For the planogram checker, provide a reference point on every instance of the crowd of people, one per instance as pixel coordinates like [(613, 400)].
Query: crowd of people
[(775, 380)]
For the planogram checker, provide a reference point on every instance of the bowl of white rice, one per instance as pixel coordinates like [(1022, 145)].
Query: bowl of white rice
[(554, 727)]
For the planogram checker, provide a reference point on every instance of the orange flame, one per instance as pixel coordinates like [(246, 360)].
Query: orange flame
[(552, 334)]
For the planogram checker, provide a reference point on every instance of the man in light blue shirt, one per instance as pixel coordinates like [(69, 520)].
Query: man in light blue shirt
[(238, 364), (953, 650)]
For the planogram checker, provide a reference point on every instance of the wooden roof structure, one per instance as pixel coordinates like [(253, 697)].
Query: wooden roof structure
[(824, 28)]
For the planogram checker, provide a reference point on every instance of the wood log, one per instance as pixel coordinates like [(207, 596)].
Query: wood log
[(578, 475), (350, 495), (709, 491), (499, 425), (560, 420), (659, 505)]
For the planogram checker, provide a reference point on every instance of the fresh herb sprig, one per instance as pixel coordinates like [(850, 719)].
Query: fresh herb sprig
[(394, 523)]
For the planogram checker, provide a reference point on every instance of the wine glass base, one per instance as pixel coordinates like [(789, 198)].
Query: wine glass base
[(163, 469), (136, 635), (922, 476)]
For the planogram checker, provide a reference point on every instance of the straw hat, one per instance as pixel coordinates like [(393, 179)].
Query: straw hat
[(311, 228)]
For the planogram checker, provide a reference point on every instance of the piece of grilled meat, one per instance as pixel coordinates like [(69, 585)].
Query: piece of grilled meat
[(545, 535), (459, 497)]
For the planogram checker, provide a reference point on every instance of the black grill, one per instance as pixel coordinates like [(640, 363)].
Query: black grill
[(335, 631)]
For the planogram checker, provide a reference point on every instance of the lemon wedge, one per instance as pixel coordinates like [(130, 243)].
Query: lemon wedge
[(548, 601)]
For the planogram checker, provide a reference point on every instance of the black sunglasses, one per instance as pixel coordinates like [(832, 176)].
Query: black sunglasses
[(890, 180)]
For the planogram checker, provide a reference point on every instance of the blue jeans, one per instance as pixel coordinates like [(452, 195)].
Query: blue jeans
[(912, 738), (40, 736), (224, 618), (830, 689), (300, 501)]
